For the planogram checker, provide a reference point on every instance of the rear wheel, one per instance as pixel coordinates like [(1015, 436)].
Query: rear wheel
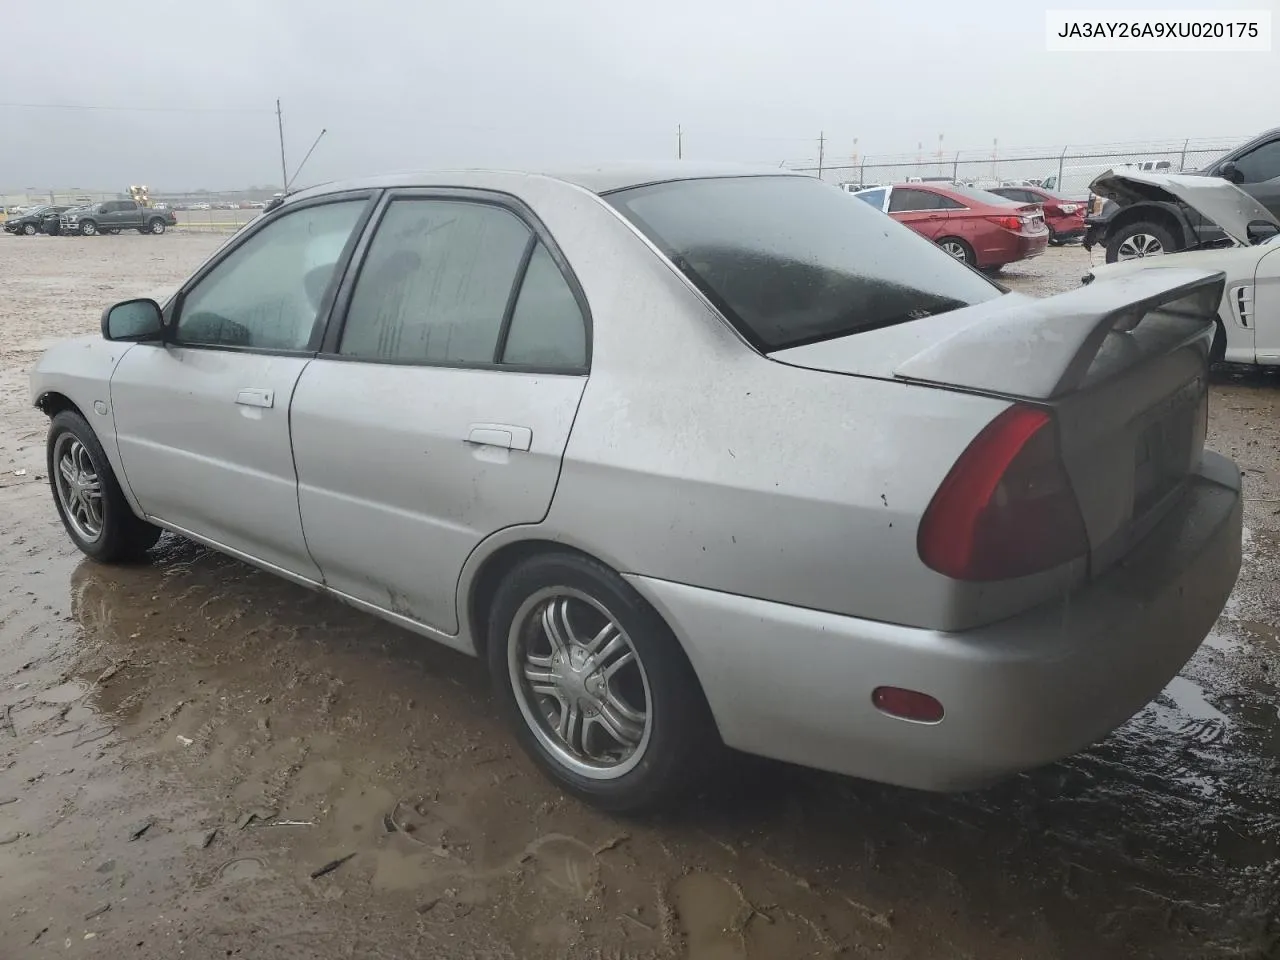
[(958, 249), (88, 497), (156, 226), (1140, 240), (29, 229), (88, 228), (598, 691)]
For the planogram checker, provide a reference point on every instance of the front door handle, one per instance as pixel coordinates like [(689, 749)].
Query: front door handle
[(256, 398), (502, 435)]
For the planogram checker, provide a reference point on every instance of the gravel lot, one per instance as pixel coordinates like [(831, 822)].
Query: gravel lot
[(182, 744)]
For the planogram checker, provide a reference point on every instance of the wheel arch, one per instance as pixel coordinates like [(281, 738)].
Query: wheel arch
[(1164, 214), (52, 402), (485, 571)]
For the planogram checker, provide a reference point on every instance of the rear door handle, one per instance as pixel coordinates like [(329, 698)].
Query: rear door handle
[(502, 435), (256, 398)]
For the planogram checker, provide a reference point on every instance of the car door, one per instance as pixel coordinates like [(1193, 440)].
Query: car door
[(439, 411), (202, 420), (1258, 174), (1266, 306), (128, 215)]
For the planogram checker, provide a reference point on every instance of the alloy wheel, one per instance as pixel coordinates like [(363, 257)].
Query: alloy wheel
[(79, 487), (1138, 246), (579, 683)]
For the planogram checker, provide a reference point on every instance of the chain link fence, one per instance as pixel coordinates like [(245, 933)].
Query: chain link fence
[(1067, 170)]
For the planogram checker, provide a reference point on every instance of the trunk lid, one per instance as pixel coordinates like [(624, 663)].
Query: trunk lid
[(1217, 200), (1122, 364)]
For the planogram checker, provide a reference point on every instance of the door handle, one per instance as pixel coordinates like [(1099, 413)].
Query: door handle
[(256, 398), (502, 435)]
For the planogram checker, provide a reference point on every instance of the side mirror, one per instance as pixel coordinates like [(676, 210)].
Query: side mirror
[(133, 320), (1260, 231), (1229, 171)]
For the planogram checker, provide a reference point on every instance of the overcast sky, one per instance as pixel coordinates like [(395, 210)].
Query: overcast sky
[(545, 82)]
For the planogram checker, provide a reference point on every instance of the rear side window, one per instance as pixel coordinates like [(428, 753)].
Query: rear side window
[(547, 328), (790, 261), (984, 196)]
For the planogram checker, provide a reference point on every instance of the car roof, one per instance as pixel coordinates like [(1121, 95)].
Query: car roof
[(601, 179)]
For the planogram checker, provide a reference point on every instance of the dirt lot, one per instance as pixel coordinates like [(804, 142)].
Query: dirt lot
[(182, 744)]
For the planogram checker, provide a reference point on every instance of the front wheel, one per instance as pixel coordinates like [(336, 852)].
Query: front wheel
[(958, 249), (1138, 241), (88, 497), (596, 687), (88, 228), (156, 226)]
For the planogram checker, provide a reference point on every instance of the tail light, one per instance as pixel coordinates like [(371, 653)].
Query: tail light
[(1016, 224), (1006, 509)]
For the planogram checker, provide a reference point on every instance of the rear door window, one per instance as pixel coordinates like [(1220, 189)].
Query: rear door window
[(906, 199), (788, 261)]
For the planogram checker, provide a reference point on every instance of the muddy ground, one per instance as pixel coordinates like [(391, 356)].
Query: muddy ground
[(184, 743)]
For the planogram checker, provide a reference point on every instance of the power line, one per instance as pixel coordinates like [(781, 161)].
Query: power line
[(140, 109)]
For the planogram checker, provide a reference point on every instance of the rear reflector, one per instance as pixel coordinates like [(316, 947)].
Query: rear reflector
[(907, 704), (1006, 509)]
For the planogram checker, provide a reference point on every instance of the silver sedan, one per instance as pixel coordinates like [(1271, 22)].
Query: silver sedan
[(691, 456)]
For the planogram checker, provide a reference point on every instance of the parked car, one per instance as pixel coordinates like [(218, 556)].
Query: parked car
[(1139, 226), (1248, 317), (201, 206), (980, 228), (35, 220), (689, 454), (112, 216), (1064, 218)]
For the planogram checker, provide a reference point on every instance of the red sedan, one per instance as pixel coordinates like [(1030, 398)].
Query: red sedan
[(980, 228), (1065, 218)]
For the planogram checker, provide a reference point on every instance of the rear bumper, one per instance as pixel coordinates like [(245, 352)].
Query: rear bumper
[(795, 684), (1009, 247)]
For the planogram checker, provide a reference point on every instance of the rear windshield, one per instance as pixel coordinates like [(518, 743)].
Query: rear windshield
[(982, 196), (792, 260)]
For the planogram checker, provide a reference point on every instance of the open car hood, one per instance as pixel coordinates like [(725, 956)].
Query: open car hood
[(1215, 199)]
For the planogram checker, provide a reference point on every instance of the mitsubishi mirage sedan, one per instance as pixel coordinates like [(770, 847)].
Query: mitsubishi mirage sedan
[(692, 456)]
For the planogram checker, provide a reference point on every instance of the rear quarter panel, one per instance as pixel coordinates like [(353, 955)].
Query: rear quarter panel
[(695, 459)]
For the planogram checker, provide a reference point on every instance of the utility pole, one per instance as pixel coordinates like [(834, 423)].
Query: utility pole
[(822, 147), (284, 171), (679, 142)]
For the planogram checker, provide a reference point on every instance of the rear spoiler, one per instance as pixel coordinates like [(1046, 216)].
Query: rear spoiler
[(1047, 348)]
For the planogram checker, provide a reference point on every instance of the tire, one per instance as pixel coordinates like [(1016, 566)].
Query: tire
[(667, 742), (156, 226), (29, 229), (1218, 351), (1139, 240), (77, 463), (958, 249), (88, 228), (114, 231)]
